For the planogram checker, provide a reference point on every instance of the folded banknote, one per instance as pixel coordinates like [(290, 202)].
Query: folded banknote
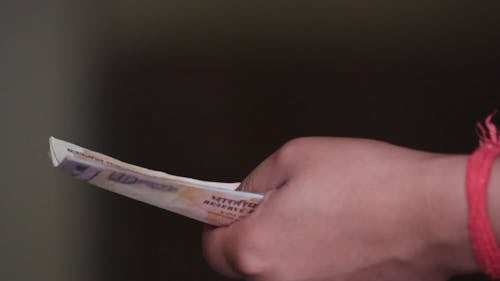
[(213, 203)]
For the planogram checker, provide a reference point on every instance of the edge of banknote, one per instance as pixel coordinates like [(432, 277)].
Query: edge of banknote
[(59, 151), (214, 203)]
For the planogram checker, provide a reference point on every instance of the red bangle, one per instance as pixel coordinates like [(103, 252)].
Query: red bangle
[(478, 171)]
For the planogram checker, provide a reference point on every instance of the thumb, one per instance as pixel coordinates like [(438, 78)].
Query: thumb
[(270, 174)]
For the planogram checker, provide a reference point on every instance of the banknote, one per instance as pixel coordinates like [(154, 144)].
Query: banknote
[(214, 203)]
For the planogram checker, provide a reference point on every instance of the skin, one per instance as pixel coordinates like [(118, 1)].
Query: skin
[(351, 209)]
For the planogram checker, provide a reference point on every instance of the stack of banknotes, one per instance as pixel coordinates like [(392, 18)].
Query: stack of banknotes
[(213, 203)]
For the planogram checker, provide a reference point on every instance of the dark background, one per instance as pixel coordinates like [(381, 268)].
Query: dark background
[(208, 89)]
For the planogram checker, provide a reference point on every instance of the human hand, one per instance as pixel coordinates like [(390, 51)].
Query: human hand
[(349, 209)]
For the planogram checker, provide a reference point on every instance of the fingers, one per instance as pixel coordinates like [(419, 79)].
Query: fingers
[(216, 242), (236, 250), (226, 248)]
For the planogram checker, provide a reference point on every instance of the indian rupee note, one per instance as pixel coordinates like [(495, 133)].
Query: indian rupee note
[(213, 203)]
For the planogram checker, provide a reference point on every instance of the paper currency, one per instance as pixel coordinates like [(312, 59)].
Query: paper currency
[(213, 203)]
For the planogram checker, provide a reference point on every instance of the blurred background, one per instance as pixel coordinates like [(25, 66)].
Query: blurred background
[(208, 89)]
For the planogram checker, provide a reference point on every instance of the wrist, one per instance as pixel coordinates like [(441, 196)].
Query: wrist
[(447, 212)]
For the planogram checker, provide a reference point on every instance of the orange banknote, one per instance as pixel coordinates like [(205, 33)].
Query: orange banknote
[(213, 203)]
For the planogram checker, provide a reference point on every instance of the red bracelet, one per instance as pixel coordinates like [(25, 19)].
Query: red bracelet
[(478, 171)]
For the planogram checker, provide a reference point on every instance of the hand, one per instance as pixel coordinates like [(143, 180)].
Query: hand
[(349, 209)]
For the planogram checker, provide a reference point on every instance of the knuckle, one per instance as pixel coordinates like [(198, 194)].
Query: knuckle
[(246, 264), (248, 254), (291, 150)]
